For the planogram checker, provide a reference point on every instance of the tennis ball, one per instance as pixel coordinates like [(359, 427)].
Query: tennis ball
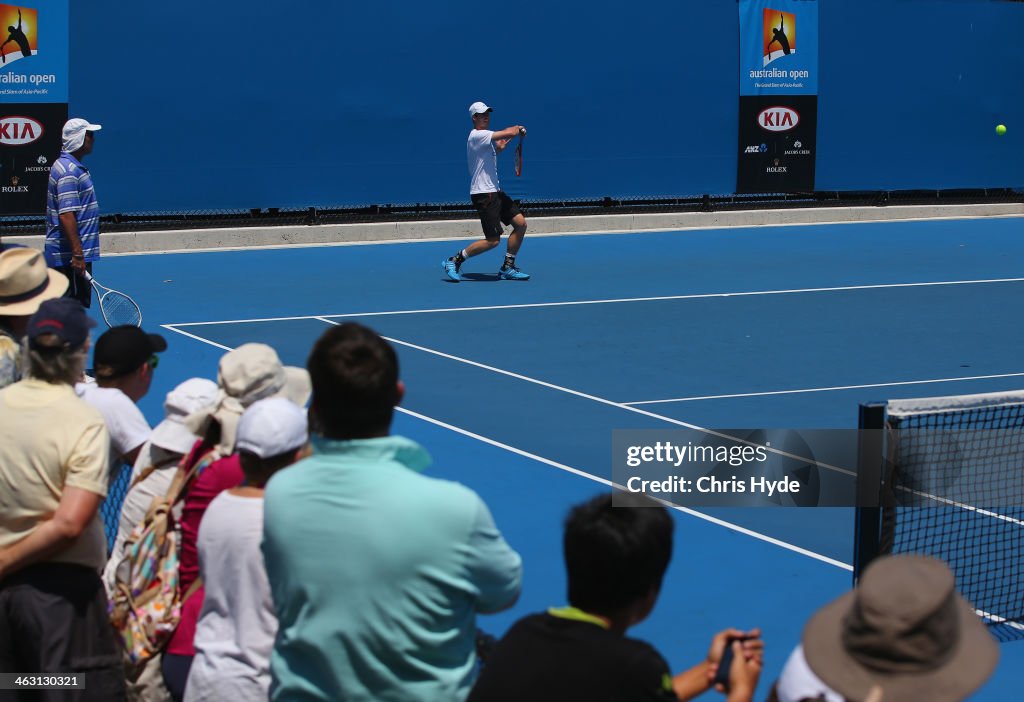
[(1000, 129)]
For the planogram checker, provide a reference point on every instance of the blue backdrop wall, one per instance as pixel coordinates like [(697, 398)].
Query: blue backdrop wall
[(230, 104)]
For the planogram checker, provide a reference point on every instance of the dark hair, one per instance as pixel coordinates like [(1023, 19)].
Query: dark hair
[(355, 382), (615, 555), (258, 471)]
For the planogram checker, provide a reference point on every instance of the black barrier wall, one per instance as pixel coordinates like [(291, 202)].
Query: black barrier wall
[(242, 105)]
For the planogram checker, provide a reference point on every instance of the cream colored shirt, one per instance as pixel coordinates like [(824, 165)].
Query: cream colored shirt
[(50, 439)]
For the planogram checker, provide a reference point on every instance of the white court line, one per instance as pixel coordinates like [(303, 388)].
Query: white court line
[(609, 483), (603, 401), (829, 389), (173, 328), (963, 506), (569, 303), (998, 620), (699, 515)]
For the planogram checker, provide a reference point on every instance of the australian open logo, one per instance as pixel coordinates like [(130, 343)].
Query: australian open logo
[(779, 35), (19, 27)]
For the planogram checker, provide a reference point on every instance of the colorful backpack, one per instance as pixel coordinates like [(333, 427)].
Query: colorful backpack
[(145, 605)]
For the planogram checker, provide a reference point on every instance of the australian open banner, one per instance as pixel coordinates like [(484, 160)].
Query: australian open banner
[(33, 100), (778, 113)]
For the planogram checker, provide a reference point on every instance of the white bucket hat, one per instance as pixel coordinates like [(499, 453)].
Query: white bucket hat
[(190, 396)]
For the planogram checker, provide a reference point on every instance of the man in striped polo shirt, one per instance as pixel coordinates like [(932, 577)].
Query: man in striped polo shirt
[(72, 213)]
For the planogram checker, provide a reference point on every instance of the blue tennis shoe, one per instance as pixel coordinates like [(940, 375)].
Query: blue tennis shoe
[(512, 273), (451, 270)]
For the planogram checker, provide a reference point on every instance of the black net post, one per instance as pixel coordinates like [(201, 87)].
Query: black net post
[(870, 461)]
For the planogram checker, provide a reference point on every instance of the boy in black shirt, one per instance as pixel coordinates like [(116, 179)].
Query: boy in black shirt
[(616, 558)]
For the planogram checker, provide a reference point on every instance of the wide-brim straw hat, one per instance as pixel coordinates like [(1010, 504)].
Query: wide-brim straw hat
[(26, 282)]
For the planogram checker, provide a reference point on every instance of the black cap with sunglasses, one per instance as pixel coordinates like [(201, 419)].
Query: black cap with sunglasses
[(122, 350)]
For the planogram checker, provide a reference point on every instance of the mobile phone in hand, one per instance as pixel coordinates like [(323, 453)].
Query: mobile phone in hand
[(722, 674)]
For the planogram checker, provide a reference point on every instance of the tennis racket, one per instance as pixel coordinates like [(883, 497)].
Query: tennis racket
[(519, 152), (117, 308)]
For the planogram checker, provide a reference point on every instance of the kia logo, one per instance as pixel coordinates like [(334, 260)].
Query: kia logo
[(778, 119), (18, 131)]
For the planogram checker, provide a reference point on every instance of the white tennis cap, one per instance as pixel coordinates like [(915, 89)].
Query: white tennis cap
[(193, 394), (478, 108), (272, 427), (73, 135)]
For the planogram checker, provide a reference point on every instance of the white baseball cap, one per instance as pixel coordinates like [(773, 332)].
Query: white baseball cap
[(478, 108), (73, 135), (272, 427), (190, 396)]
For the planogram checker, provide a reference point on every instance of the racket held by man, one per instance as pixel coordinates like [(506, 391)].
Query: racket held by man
[(519, 151), (118, 309)]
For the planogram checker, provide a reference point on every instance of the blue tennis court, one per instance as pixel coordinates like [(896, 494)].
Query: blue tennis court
[(516, 388)]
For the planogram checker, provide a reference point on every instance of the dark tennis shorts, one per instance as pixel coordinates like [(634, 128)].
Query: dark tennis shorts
[(495, 209), (78, 287)]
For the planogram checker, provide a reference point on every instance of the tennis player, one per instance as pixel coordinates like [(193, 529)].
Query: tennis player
[(495, 207)]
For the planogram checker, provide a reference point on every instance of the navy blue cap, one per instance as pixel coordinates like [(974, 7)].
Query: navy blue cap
[(64, 317)]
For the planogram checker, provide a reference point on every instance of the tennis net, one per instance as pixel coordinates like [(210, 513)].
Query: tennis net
[(945, 477)]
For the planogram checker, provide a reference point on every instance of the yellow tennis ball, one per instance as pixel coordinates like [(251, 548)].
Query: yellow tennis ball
[(1000, 129)]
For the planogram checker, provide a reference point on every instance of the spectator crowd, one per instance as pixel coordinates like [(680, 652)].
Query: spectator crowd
[(278, 542)]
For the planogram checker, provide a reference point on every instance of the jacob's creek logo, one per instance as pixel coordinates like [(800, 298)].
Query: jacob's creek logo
[(18, 131), (797, 150), (43, 166), (778, 119)]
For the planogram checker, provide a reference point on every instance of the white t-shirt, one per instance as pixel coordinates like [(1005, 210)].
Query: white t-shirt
[(237, 625), (797, 681), (127, 426), (483, 162)]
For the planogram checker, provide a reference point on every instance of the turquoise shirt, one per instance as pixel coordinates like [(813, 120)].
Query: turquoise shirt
[(377, 573)]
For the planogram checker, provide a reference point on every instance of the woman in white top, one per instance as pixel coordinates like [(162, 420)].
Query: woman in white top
[(236, 629)]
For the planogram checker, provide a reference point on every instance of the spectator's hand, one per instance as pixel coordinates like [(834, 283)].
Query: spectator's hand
[(751, 645), (743, 674)]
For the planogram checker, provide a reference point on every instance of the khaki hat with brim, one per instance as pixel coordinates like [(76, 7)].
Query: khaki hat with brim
[(26, 282), (904, 633), (249, 373)]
